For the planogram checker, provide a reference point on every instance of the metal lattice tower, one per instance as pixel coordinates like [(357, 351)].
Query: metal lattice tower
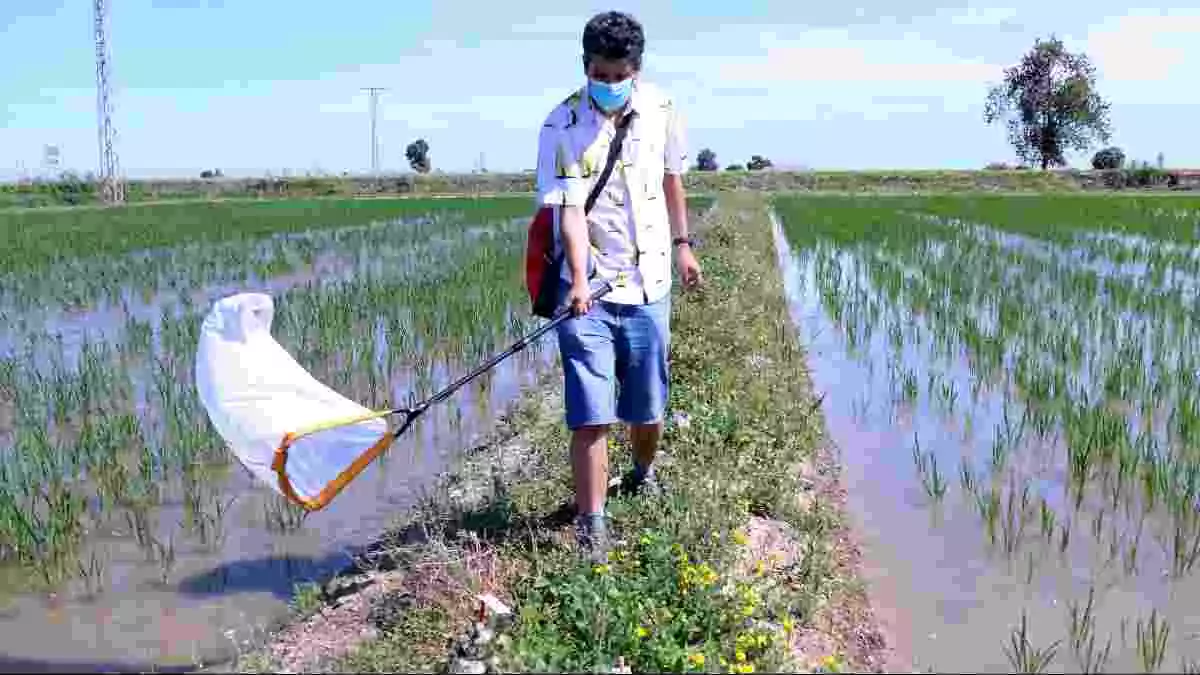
[(374, 92), (112, 186)]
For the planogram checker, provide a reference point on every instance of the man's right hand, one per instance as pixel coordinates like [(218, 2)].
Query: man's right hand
[(580, 298)]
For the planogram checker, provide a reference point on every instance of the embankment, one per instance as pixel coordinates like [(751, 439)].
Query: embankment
[(73, 191), (747, 563)]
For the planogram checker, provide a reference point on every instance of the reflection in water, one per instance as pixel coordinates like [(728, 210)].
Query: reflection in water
[(1018, 421)]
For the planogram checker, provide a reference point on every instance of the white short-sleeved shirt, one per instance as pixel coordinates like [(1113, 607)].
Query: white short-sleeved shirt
[(628, 226)]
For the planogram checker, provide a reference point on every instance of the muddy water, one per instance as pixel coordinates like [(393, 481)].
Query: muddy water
[(955, 592), (211, 598)]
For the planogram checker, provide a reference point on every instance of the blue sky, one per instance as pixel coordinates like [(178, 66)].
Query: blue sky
[(252, 86)]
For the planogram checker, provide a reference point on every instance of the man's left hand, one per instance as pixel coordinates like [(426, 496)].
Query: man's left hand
[(689, 268)]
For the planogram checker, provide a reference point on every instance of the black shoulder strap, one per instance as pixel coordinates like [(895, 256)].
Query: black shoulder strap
[(614, 151)]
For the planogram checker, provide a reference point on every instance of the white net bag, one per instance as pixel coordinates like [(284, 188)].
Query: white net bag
[(292, 432)]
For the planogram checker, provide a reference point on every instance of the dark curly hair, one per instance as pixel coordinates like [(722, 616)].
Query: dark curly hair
[(615, 36)]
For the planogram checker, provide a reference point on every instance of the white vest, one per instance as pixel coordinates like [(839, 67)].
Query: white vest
[(628, 226)]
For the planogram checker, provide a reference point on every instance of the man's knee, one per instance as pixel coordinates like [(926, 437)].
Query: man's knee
[(588, 434)]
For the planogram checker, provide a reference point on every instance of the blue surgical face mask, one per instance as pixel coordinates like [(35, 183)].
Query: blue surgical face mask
[(610, 97)]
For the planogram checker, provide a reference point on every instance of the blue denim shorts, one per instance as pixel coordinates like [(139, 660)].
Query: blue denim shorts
[(615, 363)]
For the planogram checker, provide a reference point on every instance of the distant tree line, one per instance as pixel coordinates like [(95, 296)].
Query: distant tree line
[(706, 160)]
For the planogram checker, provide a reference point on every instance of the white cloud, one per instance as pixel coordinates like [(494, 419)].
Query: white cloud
[(553, 25), (830, 56), (979, 16), (1143, 46)]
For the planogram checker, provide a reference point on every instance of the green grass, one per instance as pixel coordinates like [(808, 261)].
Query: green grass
[(876, 180), (681, 591)]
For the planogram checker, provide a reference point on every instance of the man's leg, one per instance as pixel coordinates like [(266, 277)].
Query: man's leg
[(644, 439), (589, 466), (642, 346), (589, 390)]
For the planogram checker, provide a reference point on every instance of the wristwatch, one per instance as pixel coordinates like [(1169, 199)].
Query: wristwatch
[(683, 240)]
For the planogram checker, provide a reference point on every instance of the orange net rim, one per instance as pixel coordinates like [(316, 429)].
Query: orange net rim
[(334, 487)]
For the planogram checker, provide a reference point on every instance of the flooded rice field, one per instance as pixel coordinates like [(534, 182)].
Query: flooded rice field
[(1012, 383), (129, 538)]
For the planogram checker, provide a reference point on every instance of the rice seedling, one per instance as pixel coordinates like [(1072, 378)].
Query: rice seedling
[(1152, 642), (1082, 631), (280, 515), (931, 478), (1022, 655), (123, 432), (92, 575), (1048, 518), (164, 555), (1073, 319)]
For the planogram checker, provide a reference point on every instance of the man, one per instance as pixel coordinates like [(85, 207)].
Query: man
[(614, 351)]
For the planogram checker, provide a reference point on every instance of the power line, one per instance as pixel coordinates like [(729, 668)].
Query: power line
[(112, 187), (374, 91)]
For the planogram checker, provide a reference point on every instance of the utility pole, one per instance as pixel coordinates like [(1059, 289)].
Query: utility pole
[(50, 160), (374, 92), (112, 187)]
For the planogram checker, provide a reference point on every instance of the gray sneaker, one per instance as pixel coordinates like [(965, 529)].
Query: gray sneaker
[(648, 485), (591, 533)]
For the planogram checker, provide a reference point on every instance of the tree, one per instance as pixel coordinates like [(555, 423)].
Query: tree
[(706, 160), (735, 167), (417, 153), (1108, 158), (757, 163), (1050, 104)]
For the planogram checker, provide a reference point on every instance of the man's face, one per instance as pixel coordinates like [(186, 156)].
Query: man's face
[(609, 71)]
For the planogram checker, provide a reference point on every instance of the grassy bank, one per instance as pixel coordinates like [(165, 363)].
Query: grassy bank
[(744, 566), (76, 192)]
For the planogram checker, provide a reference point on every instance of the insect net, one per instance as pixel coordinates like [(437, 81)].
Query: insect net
[(288, 429)]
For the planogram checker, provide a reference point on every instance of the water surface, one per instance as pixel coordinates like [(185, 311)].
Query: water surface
[(1001, 357)]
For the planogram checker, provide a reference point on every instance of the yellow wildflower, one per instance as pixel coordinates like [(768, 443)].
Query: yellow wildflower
[(739, 537), (788, 624), (642, 632), (696, 660), (600, 569), (740, 656)]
